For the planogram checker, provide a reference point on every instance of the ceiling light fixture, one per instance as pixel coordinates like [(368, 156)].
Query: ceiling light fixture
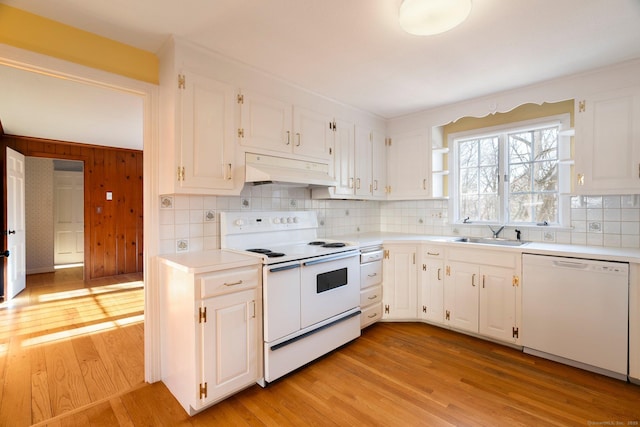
[(428, 17)]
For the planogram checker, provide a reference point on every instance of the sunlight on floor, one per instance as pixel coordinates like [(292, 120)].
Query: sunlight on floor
[(85, 330), (63, 266), (88, 291)]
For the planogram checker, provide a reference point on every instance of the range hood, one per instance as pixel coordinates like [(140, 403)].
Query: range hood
[(264, 169)]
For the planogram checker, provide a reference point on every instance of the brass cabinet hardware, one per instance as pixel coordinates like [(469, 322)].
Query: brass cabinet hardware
[(439, 274), (288, 137), (239, 282), (473, 279)]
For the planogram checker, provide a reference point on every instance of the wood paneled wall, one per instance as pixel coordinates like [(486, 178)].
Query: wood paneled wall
[(113, 229)]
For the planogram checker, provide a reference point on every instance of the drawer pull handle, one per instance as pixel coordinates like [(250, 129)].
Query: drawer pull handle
[(239, 282), (371, 316), (433, 253), (373, 297), (372, 275), (439, 276)]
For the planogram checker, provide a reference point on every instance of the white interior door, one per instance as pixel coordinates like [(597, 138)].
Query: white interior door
[(68, 217), (16, 262)]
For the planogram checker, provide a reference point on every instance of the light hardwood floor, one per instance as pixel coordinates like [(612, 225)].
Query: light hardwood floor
[(396, 374), (65, 344)]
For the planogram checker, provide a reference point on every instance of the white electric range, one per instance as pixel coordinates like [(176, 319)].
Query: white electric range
[(311, 286)]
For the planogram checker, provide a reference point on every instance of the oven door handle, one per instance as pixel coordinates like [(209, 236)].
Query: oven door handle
[(329, 259), (286, 267)]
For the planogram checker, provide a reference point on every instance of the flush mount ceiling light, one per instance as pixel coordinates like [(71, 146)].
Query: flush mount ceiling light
[(427, 17)]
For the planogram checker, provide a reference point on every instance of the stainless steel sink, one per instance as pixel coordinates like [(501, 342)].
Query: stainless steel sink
[(491, 241)]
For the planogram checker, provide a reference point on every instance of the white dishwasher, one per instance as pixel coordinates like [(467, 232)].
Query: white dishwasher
[(576, 311)]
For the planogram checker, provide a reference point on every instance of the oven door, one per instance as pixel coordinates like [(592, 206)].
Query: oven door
[(330, 285), (281, 299)]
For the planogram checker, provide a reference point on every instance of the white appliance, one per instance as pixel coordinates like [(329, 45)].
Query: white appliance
[(311, 287), (576, 311)]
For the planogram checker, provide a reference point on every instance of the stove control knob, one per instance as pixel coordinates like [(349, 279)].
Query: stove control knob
[(289, 220), (276, 220), (283, 220), (239, 222), (296, 219)]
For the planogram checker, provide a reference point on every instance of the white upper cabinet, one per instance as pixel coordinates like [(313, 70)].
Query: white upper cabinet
[(408, 168), (312, 133), (378, 164), (207, 121), (272, 126), (344, 159), (607, 142), (359, 163), (197, 136), (265, 122)]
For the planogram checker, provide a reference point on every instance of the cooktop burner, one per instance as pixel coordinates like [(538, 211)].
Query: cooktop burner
[(334, 245), (317, 243), (268, 252)]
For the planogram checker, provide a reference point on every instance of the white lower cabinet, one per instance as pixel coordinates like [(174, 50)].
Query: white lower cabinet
[(482, 293), (399, 284), (431, 308), (211, 332)]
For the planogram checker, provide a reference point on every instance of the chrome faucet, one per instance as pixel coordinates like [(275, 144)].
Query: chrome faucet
[(496, 233)]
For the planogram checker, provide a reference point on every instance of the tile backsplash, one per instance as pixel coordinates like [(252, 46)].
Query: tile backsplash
[(190, 223)]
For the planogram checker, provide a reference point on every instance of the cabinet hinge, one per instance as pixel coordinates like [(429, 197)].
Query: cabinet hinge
[(515, 281), (424, 267), (386, 309), (515, 332), (582, 106), (447, 270), (370, 136), (240, 133), (202, 315), (424, 308), (182, 81), (447, 315), (335, 126), (330, 151), (180, 173), (203, 390), (240, 98), (387, 189), (387, 142), (386, 254)]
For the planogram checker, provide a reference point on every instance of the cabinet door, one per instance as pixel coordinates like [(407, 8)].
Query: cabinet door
[(265, 123), (363, 158), (344, 161), (378, 164), (206, 128), (407, 167), (607, 143), (399, 290), (497, 303), (461, 296), (312, 133), (432, 287), (229, 343)]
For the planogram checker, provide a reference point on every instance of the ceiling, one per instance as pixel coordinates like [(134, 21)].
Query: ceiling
[(355, 52)]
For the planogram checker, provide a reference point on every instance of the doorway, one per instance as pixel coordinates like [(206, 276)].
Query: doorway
[(54, 206)]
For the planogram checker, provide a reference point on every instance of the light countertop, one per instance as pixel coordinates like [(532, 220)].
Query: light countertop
[(208, 261), (576, 251)]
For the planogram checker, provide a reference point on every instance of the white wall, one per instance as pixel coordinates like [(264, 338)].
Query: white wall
[(39, 215)]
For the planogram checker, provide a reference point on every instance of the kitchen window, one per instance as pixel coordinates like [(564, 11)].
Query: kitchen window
[(511, 174)]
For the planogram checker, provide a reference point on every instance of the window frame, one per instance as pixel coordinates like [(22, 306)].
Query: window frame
[(564, 162)]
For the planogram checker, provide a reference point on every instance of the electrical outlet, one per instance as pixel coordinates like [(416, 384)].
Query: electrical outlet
[(182, 245), (245, 204)]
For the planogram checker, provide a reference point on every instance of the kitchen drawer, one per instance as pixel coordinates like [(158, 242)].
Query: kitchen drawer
[(433, 251), (370, 315), (226, 281), (370, 296), (370, 274), (370, 256)]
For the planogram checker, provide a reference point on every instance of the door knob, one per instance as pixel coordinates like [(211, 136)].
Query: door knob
[(4, 253), (10, 232)]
